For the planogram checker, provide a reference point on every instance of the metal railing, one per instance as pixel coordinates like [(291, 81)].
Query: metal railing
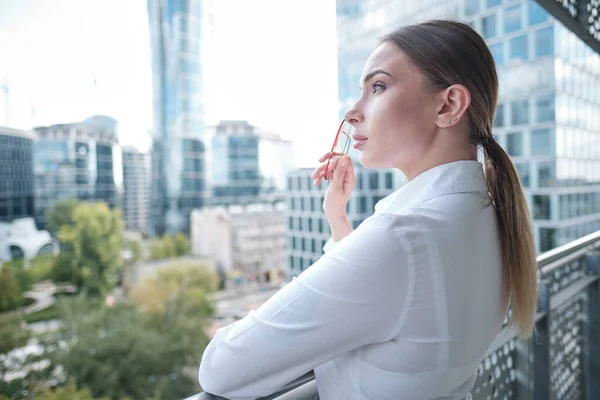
[(561, 361)]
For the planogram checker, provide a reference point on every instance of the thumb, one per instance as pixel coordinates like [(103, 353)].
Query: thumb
[(340, 172)]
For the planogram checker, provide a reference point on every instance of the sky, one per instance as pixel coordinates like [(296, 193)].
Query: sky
[(275, 65)]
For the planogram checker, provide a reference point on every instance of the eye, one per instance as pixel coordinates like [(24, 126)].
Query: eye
[(378, 86)]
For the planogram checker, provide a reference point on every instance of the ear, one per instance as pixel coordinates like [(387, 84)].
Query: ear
[(453, 104)]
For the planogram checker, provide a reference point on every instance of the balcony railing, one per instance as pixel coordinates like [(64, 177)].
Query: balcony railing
[(561, 361)]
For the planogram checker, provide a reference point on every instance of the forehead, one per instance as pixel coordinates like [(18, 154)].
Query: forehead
[(390, 58)]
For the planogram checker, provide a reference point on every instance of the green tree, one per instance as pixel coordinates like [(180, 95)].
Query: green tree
[(11, 295), (136, 251), (91, 248), (60, 214), (120, 351), (189, 280), (40, 267), (69, 391), (12, 333), (157, 251), (22, 274), (169, 246), (182, 244)]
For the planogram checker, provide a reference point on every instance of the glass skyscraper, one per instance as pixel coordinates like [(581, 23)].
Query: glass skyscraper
[(16, 175), (76, 161), (547, 118), (178, 34)]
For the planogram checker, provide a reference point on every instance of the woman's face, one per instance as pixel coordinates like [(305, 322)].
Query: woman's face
[(395, 111)]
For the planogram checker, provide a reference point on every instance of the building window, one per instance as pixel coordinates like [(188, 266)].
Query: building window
[(547, 239), (545, 174), (313, 245), (492, 3), (303, 241), (514, 144), (523, 170), (291, 222), (540, 142), (498, 53), (373, 180), (544, 42), (362, 208), (293, 203), (518, 48), (545, 108), (291, 261), (388, 180), (320, 225), (488, 26), (519, 112), (499, 117), (471, 7), (300, 223), (310, 224), (541, 207), (537, 14), (359, 182), (512, 19)]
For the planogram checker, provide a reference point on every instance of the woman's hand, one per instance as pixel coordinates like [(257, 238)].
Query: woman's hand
[(342, 180)]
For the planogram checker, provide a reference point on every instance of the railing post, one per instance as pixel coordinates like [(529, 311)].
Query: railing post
[(593, 335), (541, 346)]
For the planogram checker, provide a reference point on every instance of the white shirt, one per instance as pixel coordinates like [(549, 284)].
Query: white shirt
[(405, 307)]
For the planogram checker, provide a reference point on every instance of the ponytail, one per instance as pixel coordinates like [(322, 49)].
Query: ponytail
[(518, 247)]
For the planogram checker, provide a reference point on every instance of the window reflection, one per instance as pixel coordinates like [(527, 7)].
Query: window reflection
[(514, 144), (541, 207), (536, 13), (512, 19), (544, 41), (488, 26), (519, 48), (498, 53), (545, 108), (519, 112)]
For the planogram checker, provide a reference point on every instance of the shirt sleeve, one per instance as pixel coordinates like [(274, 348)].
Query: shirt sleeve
[(356, 294), (330, 244)]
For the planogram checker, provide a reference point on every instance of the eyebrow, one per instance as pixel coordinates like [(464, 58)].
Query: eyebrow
[(374, 73)]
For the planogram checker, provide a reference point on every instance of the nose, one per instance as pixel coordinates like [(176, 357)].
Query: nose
[(354, 116)]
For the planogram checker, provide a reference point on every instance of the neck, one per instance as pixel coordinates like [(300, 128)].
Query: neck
[(441, 152)]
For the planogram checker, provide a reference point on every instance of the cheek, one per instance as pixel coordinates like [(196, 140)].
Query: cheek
[(402, 121)]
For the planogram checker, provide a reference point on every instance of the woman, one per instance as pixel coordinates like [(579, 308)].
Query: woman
[(405, 306)]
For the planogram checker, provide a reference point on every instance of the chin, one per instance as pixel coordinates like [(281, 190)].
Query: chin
[(368, 161)]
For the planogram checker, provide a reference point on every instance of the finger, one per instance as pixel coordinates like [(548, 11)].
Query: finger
[(350, 176), (318, 170), (332, 166), (338, 178), (328, 154)]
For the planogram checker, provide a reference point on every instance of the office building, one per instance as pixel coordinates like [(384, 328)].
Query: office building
[(76, 161), (247, 164), (235, 174), (180, 39), (547, 116), (548, 122), (247, 242), (16, 174), (136, 189), (18, 234)]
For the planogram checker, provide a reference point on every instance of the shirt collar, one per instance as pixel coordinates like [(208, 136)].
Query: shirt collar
[(455, 177)]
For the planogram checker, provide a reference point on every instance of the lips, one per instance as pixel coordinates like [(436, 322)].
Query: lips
[(359, 139)]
